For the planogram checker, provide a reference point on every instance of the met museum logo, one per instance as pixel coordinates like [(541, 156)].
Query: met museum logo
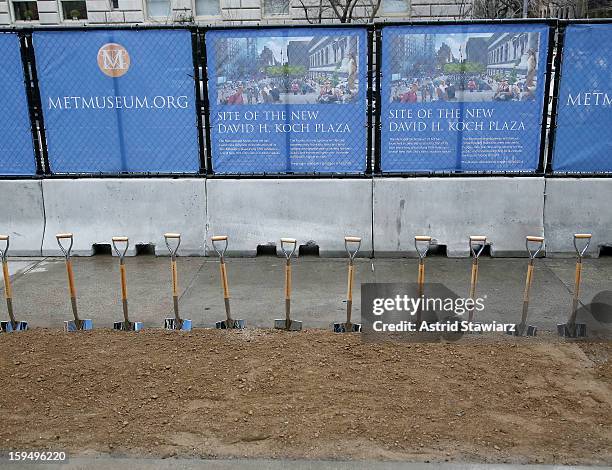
[(113, 60)]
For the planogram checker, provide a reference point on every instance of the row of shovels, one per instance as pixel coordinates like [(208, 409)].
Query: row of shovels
[(173, 241), (534, 246), (477, 244)]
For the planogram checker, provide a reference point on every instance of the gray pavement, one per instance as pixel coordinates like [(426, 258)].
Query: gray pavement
[(256, 287), (103, 463)]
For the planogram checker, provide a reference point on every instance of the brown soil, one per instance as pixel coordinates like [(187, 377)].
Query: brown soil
[(314, 394)]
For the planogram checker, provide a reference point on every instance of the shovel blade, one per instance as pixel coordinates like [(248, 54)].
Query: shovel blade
[(230, 325), (132, 326), (172, 324), (294, 325), (343, 327), (7, 326), (70, 325), (578, 330)]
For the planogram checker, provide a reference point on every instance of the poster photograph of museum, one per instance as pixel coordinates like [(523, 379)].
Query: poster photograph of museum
[(464, 67), (287, 70)]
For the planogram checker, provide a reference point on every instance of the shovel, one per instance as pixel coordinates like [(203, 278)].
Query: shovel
[(348, 326), (126, 324), (229, 323), (571, 329), (176, 323), (422, 244), (77, 324), (522, 328), (477, 246), (12, 325), (287, 323)]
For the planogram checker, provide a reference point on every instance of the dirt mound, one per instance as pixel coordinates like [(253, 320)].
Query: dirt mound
[(314, 394)]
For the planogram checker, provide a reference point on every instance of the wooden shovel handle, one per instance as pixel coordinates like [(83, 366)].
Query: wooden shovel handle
[(124, 293), (8, 290), (174, 278), (349, 287), (287, 281), (528, 283), (71, 285), (224, 282)]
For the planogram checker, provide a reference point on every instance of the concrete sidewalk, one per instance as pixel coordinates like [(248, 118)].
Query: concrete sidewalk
[(103, 463), (256, 287)]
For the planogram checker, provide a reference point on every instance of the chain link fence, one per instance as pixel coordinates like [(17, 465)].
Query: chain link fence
[(16, 147), (288, 100), (581, 139), (118, 101), (468, 98), (463, 98)]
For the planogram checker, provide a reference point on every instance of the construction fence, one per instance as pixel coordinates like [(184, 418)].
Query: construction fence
[(525, 97)]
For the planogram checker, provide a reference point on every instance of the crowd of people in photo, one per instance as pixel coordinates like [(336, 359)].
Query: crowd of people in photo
[(446, 88), (340, 86), (276, 90)]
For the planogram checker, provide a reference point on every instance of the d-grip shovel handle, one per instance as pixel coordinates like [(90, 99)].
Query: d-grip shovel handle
[(533, 239), (4, 250), (477, 240), (115, 240), (64, 236), (352, 253), (420, 239), (289, 241), (172, 236), (220, 238), (582, 236)]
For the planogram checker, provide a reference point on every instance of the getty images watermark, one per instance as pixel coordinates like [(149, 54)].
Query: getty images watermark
[(401, 310)]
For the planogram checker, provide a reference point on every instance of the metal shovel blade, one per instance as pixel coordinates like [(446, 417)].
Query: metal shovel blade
[(7, 326), (343, 327), (577, 330), (523, 330), (172, 324), (230, 325), (70, 325), (294, 325), (132, 326)]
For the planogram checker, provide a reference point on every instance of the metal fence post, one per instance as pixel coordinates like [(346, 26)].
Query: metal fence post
[(39, 141), (205, 100), (197, 48), (544, 160), (554, 97), (370, 104), (377, 101)]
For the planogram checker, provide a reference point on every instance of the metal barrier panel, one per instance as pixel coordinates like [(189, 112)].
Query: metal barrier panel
[(465, 97), (288, 100), (16, 147), (118, 101), (583, 140)]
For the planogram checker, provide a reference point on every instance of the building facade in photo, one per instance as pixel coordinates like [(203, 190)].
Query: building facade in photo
[(509, 53), (214, 12)]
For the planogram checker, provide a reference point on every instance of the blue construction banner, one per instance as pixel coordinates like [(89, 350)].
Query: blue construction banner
[(583, 138), (16, 147), (118, 100), (288, 100), (463, 97)]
